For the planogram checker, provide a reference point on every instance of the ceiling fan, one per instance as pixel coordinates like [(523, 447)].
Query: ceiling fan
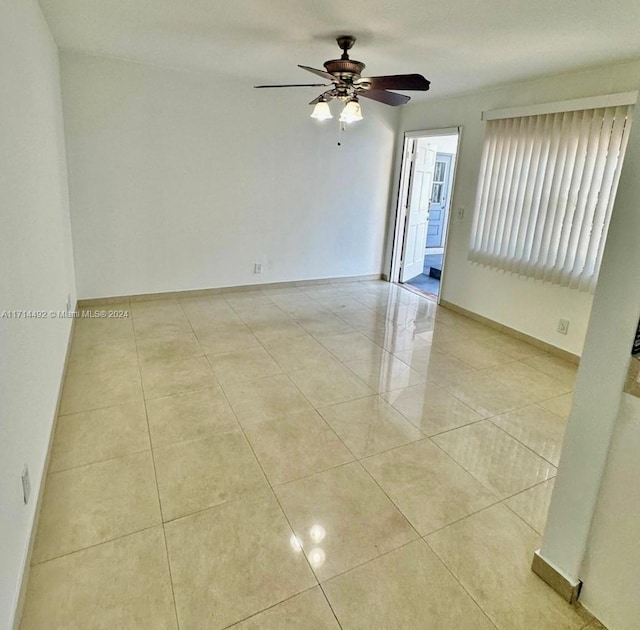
[(348, 84)]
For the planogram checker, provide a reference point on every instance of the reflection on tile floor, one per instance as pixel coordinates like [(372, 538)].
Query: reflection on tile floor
[(340, 455)]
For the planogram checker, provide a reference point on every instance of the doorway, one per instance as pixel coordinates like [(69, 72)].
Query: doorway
[(424, 208)]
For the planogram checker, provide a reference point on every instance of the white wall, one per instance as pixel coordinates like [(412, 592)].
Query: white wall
[(529, 306), (611, 572), (37, 272), (183, 181)]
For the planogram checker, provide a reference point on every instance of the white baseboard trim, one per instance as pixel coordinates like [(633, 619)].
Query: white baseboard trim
[(169, 295), (538, 343), (562, 584)]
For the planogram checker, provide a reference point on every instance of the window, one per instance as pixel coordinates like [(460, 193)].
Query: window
[(546, 191)]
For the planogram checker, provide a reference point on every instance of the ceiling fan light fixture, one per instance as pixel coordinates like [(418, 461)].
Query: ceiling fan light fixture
[(321, 111), (351, 112)]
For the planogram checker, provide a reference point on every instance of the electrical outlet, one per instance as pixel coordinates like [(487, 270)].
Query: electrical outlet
[(26, 484), (257, 268), (563, 326), (460, 214)]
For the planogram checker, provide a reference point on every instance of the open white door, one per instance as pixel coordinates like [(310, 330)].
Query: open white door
[(418, 200)]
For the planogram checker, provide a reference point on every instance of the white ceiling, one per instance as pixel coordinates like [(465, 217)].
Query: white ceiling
[(460, 45)]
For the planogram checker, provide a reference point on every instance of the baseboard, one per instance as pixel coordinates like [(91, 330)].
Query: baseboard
[(170, 295), (512, 332), (36, 517), (567, 589)]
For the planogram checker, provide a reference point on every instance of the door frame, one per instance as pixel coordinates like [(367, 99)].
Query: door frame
[(403, 189)]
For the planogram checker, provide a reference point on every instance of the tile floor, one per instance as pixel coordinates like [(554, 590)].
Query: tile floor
[(344, 455)]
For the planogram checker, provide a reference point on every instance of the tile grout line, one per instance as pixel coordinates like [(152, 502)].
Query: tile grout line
[(462, 586), (283, 512), (275, 496), (155, 475)]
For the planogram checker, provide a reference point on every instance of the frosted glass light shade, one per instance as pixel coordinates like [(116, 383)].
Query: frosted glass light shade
[(321, 111), (351, 112)]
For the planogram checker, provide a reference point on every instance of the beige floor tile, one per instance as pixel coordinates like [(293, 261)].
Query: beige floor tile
[(323, 291), (93, 436), (329, 383), (501, 463), (428, 486), (194, 302), (366, 321), (233, 561), (490, 553), (227, 338), (295, 446), (476, 354), (196, 475), (394, 338), (515, 348), (85, 392), (120, 584), (521, 377), (441, 334), (102, 329), (486, 395), (164, 349), (299, 353), (243, 365), (350, 346), (561, 370), (86, 357), (175, 377), (434, 364), (263, 314), (189, 416), (324, 324), (431, 408), (265, 398), (247, 299), (343, 304), (85, 506), (302, 308), (159, 308), (210, 314), (560, 405), (309, 610), (161, 324), (385, 372), (370, 425), (532, 505), (537, 428), (342, 519), (278, 331), (408, 588)]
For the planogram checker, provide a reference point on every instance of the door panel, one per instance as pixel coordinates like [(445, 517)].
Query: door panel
[(439, 201), (419, 197)]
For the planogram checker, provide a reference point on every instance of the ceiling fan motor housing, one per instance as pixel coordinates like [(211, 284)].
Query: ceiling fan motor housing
[(345, 69)]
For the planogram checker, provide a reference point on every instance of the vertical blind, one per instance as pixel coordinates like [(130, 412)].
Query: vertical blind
[(546, 191)]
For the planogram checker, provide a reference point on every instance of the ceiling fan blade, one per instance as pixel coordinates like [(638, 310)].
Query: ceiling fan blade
[(388, 98), (396, 82), (293, 85), (326, 96), (321, 73)]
